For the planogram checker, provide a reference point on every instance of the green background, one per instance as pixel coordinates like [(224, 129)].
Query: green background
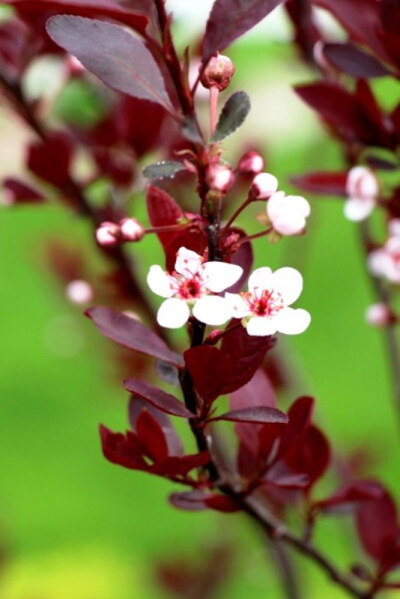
[(76, 527)]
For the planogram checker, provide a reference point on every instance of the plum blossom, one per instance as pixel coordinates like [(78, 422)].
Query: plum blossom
[(190, 287), (379, 315), (287, 214), (263, 186), (264, 308), (362, 190), (385, 261)]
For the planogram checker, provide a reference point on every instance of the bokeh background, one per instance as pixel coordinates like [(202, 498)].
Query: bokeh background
[(72, 526)]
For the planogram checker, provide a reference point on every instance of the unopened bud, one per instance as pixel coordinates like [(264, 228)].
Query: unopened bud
[(251, 163), (220, 178), (79, 292), (131, 229), (263, 186), (218, 73), (107, 234), (379, 315), (214, 337), (74, 65)]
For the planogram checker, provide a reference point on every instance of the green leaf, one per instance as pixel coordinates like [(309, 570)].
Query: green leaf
[(232, 116), (166, 169)]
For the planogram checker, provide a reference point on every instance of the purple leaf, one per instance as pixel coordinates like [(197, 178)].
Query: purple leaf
[(163, 401), (229, 19), (256, 415), (131, 334), (322, 182), (355, 62), (136, 407), (119, 59), (19, 192)]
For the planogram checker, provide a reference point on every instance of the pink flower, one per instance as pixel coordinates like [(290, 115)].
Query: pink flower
[(264, 309), (379, 315), (131, 229), (107, 234), (362, 189), (251, 163), (190, 287), (220, 178), (288, 214), (385, 261)]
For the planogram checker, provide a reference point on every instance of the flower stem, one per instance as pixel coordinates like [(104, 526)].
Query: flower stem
[(214, 93)]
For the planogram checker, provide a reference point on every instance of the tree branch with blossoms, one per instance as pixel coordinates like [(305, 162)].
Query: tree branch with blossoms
[(277, 458)]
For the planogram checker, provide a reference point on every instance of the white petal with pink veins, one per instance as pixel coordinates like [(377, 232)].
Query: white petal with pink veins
[(212, 310), (173, 313), (357, 209), (160, 282), (291, 321), (187, 262), (288, 282), (258, 326), (260, 279), (218, 276), (237, 306)]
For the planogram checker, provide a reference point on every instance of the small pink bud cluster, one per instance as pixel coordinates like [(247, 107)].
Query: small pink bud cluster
[(110, 234), (379, 315), (218, 73), (220, 178), (287, 214)]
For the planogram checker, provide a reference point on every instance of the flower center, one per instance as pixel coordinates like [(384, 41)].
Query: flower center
[(267, 303), (189, 288)]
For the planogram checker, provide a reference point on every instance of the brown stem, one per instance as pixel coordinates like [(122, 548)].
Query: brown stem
[(286, 569), (214, 93)]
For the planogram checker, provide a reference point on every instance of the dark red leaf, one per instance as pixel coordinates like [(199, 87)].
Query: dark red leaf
[(192, 501), (51, 159), (209, 368), (355, 62), (136, 406), (151, 436), (328, 182), (245, 354), (221, 503), (163, 401), (124, 450), (340, 109), (256, 415), (16, 191), (229, 19), (310, 455), (287, 481), (86, 8), (180, 466), (361, 18), (300, 414), (119, 59), (163, 210), (377, 525), (349, 497), (131, 334)]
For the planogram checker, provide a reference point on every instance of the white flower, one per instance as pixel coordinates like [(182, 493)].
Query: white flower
[(385, 261), (107, 234), (189, 287), (263, 186), (288, 213), (264, 309), (362, 189)]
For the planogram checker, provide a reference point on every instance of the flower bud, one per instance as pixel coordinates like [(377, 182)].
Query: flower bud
[(131, 229), (263, 186), (394, 227), (287, 214), (79, 292), (220, 178), (218, 72), (251, 163), (107, 234), (379, 315)]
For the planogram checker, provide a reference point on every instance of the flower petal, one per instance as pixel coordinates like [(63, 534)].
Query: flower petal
[(292, 322), (211, 309), (259, 326), (218, 276), (356, 209), (159, 281), (237, 306), (187, 262), (288, 282), (173, 313), (260, 279)]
